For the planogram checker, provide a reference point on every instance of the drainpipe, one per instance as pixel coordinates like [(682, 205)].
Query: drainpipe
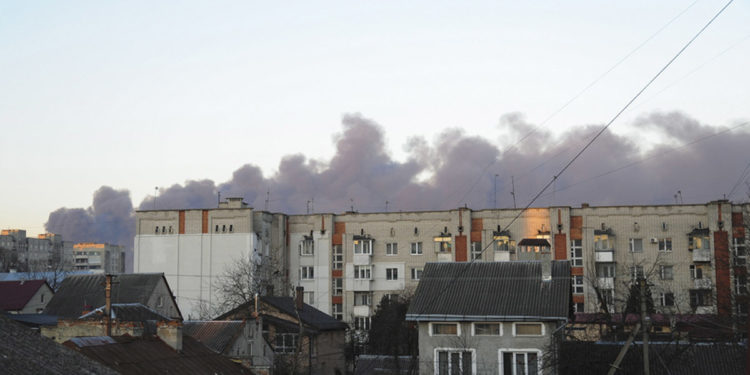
[(108, 304)]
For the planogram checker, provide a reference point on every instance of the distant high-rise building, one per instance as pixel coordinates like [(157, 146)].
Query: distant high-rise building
[(46, 252), (99, 257)]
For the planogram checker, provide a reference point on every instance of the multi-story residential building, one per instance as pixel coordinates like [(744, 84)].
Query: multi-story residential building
[(99, 257), (195, 248), (693, 255), (43, 253)]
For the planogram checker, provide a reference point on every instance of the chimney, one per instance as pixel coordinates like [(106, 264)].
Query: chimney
[(298, 298), (171, 334)]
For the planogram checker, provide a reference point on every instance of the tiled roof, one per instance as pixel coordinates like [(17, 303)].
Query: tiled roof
[(491, 291), (670, 358), (143, 356), (310, 315), (14, 295), (217, 335), (88, 290), (127, 312), (23, 351)]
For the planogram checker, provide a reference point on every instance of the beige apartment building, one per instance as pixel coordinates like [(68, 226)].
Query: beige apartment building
[(99, 257), (694, 256)]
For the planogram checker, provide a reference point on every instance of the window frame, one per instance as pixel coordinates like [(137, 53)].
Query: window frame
[(663, 242), (362, 246), (307, 247), (515, 331), (307, 272), (432, 326), (576, 260), (391, 273), (632, 245), (665, 297), (361, 270), (337, 257), (416, 248), (474, 329), (663, 274), (516, 351), (476, 250), (391, 248), (436, 359), (576, 286), (416, 271)]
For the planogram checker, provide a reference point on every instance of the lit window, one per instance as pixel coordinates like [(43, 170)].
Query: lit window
[(443, 244), (528, 329), (391, 273), (576, 253), (416, 248), (448, 329), (501, 243), (601, 242)]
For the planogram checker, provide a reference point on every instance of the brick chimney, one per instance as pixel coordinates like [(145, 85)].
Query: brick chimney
[(298, 298), (171, 334)]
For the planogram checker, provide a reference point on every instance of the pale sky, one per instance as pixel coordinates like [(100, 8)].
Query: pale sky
[(140, 94)]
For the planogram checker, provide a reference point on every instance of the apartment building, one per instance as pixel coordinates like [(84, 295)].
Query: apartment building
[(194, 249), (36, 254), (694, 256), (99, 257)]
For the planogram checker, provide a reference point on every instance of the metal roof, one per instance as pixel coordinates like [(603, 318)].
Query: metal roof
[(217, 335), (79, 291), (491, 291), (127, 312), (14, 295), (309, 315)]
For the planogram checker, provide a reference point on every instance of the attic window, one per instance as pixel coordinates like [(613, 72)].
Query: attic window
[(528, 329)]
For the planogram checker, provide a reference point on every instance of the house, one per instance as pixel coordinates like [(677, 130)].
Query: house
[(23, 351), (24, 296), (278, 323), (80, 294), (167, 353), (230, 338), (490, 317)]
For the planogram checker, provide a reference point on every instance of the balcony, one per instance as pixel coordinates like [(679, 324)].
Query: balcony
[(361, 285), (362, 310), (502, 256), (362, 259), (704, 283), (701, 255), (604, 256), (606, 282)]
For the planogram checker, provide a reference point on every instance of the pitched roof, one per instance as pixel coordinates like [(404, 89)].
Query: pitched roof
[(127, 312), (671, 358), (484, 291), (142, 356), (309, 315), (88, 290), (23, 351), (215, 334), (14, 295)]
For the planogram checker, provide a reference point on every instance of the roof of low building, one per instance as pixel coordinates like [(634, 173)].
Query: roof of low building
[(150, 355), (217, 335), (79, 291), (14, 295), (126, 312), (491, 291), (309, 315), (23, 351)]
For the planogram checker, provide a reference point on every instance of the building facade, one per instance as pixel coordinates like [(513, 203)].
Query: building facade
[(195, 248), (99, 257), (46, 252), (693, 255)]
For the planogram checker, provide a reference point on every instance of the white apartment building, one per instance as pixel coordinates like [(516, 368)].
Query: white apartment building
[(99, 257), (194, 248), (694, 255)]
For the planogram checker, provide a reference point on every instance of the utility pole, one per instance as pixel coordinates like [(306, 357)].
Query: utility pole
[(513, 190), (494, 195), (645, 319), (108, 304)]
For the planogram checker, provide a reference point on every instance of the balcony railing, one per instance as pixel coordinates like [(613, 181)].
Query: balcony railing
[(704, 283), (606, 256), (701, 255)]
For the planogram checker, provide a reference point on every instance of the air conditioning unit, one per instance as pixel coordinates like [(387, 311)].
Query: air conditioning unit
[(654, 240)]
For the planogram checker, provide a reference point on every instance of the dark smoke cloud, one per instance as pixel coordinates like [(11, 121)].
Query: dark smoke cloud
[(461, 171)]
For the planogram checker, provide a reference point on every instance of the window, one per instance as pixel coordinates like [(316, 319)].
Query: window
[(170, 228), (665, 244), (285, 343), (362, 323), (666, 272), (520, 362), (392, 297), (224, 228), (338, 257), (309, 298), (667, 299), (338, 286), (363, 247), (391, 273), (306, 273), (337, 310), (157, 230), (443, 245), (528, 329), (307, 246), (605, 270), (739, 251), (700, 298), (446, 329), (217, 228), (696, 272), (416, 273), (454, 361), (231, 228), (601, 242), (476, 250), (636, 245), (700, 243), (362, 299), (740, 284), (416, 248), (636, 272), (487, 329), (362, 272), (578, 307), (576, 253), (391, 248), (577, 282), (501, 243)]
